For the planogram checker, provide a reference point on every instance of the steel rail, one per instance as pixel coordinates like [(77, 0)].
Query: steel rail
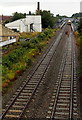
[(72, 83)]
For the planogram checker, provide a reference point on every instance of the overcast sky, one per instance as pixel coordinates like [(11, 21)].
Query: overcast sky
[(62, 7)]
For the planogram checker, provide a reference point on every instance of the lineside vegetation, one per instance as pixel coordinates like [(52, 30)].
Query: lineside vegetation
[(16, 61), (78, 36)]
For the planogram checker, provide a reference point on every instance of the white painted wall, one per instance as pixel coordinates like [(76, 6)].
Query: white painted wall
[(7, 42), (23, 25)]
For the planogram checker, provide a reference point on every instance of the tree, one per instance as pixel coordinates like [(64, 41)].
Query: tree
[(47, 19), (17, 16), (80, 26), (77, 15)]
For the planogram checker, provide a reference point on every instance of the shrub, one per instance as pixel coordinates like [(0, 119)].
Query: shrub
[(10, 75), (5, 85), (47, 31), (35, 40), (33, 52), (19, 66), (25, 35), (41, 36), (25, 44), (4, 70), (29, 62), (6, 62), (13, 58)]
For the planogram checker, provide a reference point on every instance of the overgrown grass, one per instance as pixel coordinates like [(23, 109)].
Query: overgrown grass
[(25, 35), (14, 63)]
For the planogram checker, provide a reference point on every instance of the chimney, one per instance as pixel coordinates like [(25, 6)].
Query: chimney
[(38, 8), (29, 12)]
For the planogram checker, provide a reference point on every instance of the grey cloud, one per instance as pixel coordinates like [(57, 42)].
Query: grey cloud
[(6, 4)]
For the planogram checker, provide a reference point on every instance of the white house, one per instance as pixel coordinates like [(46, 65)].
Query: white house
[(29, 24)]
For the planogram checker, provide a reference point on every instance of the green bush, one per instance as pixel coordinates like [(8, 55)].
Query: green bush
[(4, 70), (19, 66), (10, 75), (13, 58), (29, 62), (47, 31), (41, 36), (35, 40), (6, 62)]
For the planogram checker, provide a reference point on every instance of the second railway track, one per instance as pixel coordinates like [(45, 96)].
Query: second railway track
[(63, 105)]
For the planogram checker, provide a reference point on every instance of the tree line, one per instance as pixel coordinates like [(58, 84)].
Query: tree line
[(48, 19)]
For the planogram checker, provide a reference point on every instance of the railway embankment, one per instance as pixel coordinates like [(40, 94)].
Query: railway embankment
[(79, 49)]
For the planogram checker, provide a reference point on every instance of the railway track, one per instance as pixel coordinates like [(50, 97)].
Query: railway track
[(63, 105), (24, 94)]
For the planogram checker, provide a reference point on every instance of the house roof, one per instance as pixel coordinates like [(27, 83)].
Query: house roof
[(2, 17), (4, 31)]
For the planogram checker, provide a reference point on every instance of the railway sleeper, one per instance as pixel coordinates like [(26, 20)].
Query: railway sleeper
[(66, 80), (19, 103), (12, 116), (62, 105), (27, 88), (24, 97), (60, 118), (22, 100), (65, 83), (64, 94), (62, 109), (62, 113), (64, 97), (63, 101), (65, 86), (18, 106), (27, 91), (64, 89), (26, 94), (33, 81), (30, 86), (15, 112)]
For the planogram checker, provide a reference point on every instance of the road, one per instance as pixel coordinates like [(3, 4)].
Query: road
[(50, 91)]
